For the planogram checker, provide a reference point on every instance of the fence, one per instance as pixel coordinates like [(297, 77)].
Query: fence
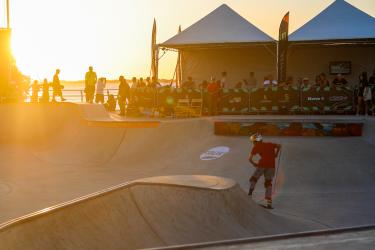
[(242, 101)]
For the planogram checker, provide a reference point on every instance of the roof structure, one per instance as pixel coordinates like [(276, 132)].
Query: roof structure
[(339, 21), (222, 26)]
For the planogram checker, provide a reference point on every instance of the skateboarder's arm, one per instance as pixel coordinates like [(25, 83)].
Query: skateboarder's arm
[(278, 147), (251, 160)]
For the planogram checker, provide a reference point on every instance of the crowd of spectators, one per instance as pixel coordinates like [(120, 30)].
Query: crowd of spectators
[(94, 87)]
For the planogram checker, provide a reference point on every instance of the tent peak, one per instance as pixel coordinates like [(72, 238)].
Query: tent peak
[(339, 21), (221, 26)]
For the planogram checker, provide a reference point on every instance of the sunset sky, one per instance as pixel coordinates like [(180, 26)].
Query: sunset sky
[(114, 35)]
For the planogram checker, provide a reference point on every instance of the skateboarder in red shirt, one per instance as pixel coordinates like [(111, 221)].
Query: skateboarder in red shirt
[(268, 152)]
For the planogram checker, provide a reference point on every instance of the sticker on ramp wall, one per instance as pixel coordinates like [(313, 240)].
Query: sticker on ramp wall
[(214, 153)]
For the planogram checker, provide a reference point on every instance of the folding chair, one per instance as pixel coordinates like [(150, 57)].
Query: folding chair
[(182, 108), (196, 107)]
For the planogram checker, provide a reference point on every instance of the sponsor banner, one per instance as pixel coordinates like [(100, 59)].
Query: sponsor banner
[(166, 97), (327, 99), (144, 97), (282, 49), (183, 93), (274, 99), (214, 153), (234, 101), (288, 128), (341, 98)]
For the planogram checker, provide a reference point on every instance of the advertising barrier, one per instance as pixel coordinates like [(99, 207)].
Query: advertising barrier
[(234, 101), (256, 100), (274, 99), (315, 99)]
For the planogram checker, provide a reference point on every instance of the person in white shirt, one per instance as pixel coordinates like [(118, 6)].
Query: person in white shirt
[(223, 81), (100, 85)]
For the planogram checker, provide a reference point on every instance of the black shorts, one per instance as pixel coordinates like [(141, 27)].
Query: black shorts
[(99, 98)]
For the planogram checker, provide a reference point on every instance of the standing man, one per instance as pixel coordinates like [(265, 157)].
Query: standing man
[(123, 94), (268, 152), (213, 90), (90, 81), (57, 87)]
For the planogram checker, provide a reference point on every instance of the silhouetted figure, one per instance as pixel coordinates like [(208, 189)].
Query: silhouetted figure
[(189, 84), (360, 89), (34, 91), (339, 81), (57, 87), (110, 105), (153, 83), (367, 98), (252, 81), (141, 83), (90, 81), (123, 94), (99, 98), (223, 81), (45, 94)]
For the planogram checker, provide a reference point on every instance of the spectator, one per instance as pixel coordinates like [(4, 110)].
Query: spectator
[(213, 89), (189, 84), (203, 85), (155, 83), (141, 83), (339, 81), (305, 83), (239, 85), (123, 94), (269, 81), (35, 90), (45, 94), (318, 81), (134, 83), (90, 81), (110, 105), (223, 81), (367, 98), (99, 98), (323, 81), (57, 87), (148, 82), (252, 81), (360, 89), (289, 81), (371, 81)]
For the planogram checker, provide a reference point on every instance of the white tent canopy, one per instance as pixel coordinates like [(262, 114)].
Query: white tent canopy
[(221, 26), (339, 21)]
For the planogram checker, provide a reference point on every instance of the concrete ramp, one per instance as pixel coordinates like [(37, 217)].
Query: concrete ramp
[(151, 212)]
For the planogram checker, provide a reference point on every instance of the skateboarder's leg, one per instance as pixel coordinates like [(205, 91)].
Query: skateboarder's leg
[(269, 174), (254, 179)]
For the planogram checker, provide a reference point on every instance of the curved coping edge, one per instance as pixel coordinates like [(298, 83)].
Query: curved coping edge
[(103, 192)]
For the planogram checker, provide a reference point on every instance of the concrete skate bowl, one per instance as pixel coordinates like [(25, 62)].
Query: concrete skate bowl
[(151, 212), (63, 133)]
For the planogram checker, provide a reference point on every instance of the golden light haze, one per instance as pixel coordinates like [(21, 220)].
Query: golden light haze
[(114, 35)]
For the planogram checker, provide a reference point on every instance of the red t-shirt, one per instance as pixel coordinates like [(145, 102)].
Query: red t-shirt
[(266, 150)]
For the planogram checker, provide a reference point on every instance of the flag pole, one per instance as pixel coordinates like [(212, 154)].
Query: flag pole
[(8, 18)]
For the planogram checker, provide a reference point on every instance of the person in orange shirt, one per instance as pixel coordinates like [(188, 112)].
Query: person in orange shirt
[(268, 152), (213, 90)]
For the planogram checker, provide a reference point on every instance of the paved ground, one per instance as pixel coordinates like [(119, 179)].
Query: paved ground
[(323, 182)]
